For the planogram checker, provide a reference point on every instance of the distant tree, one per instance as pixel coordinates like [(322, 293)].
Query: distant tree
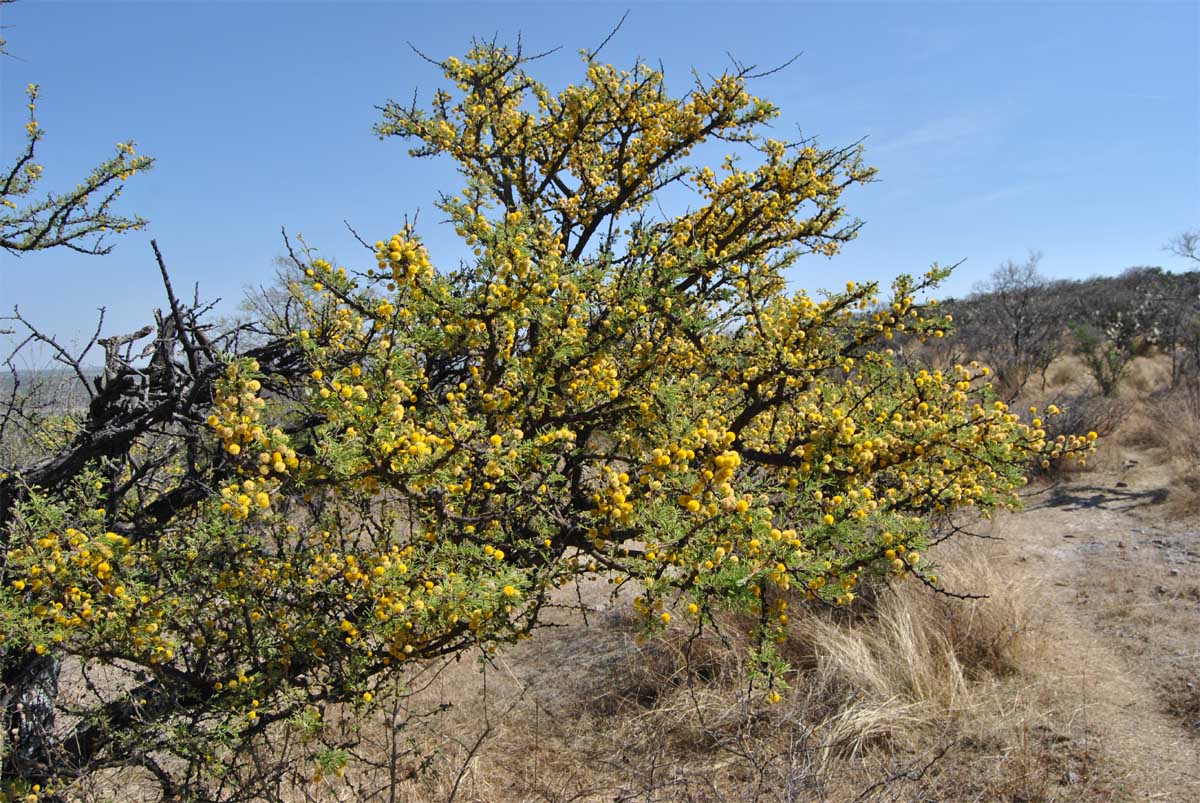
[(1186, 245), (1106, 353), (1109, 319), (1186, 308), (1115, 319), (1013, 324)]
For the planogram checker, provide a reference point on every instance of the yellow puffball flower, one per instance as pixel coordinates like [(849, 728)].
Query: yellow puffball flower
[(509, 591)]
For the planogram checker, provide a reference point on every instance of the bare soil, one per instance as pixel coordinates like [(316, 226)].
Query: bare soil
[(1121, 561)]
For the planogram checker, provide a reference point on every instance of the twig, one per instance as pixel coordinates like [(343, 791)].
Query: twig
[(906, 775), (188, 348), (593, 53)]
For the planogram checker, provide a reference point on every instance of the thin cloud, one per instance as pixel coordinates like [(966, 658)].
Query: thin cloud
[(1001, 194), (964, 123)]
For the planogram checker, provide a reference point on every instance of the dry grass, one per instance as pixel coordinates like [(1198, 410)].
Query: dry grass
[(930, 697), (1145, 418), (1068, 373), (1147, 375), (1181, 695), (1178, 415)]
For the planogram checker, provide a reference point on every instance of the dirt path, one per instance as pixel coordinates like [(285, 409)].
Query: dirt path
[(1123, 623)]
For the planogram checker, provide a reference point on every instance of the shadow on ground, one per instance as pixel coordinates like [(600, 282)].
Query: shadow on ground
[(1096, 497)]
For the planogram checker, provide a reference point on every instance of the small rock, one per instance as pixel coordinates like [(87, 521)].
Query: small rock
[(1122, 485), (1160, 589), (1072, 777), (1174, 572), (1120, 545)]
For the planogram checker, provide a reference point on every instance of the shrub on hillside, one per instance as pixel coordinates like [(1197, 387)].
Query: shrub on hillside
[(250, 540)]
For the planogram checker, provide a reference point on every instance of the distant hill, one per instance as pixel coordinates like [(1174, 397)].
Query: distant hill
[(54, 390), (1020, 320)]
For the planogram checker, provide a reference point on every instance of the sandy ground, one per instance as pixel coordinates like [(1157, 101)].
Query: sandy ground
[(1122, 572)]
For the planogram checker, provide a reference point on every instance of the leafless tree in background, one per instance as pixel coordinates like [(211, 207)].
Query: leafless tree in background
[(1011, 324)]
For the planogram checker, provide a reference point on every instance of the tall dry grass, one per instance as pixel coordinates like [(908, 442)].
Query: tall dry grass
[(1162, 427), (910, 697)]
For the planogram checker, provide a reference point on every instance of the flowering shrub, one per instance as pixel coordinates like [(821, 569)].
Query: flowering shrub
[(601, 390)]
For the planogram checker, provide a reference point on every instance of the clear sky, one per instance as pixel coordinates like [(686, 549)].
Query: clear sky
[(1071, 128)]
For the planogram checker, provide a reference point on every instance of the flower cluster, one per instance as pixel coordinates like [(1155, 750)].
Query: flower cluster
[(261, 457)]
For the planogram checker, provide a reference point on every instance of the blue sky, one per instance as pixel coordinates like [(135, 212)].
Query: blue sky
[(1071, 128)]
